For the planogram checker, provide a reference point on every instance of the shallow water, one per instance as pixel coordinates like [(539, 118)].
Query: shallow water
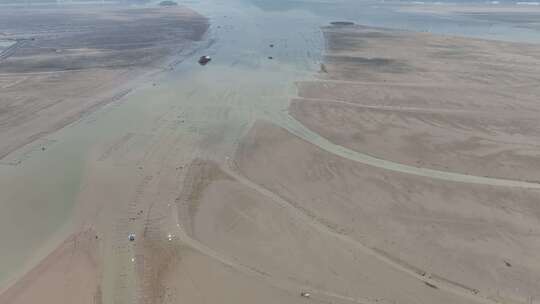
[(217, 103), (5, 44)]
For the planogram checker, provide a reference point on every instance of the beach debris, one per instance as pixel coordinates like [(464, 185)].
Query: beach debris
[(431, 285), (170, 237), (131, 237), (270, 57), (204, 60), (507, 264), (271, 45), (305, 294)]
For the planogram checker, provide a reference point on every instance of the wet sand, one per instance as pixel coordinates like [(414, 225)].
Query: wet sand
[(65, 65), (70, 274), (380, 93), (292, 210), (524, 14), (454, 234), (233, 200), (68, 62), (446, 103)]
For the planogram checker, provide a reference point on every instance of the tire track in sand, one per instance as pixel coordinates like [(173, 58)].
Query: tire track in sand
[(296, 128)]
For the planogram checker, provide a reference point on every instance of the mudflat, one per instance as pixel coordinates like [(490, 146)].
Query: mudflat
[(446, 103), (525, 14), (452, 235), (63, 63), (57, 65), (402, 173)]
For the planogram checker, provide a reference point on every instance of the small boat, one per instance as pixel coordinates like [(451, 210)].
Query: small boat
[(204, 60), (305, 294)]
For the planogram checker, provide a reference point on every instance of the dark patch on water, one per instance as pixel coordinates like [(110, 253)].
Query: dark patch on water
[(353, 67), (368, 62), (342, 23), (375, 35), (343, 41)]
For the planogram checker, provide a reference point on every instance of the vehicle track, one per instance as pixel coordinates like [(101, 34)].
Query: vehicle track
[(298, 129)]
